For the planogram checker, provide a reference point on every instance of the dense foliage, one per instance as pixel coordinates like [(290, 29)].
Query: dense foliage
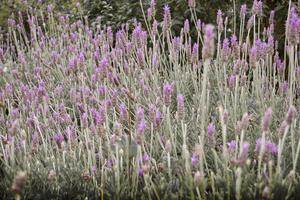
[(153, 109)]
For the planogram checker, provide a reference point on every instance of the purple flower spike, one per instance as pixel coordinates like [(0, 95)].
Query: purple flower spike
[(293, 27), (244, 153), (291, 115), (141, 127), (123, 111), (140, 172), (231, 146), (167, 93), (243, 10), (146, 157), (266, 120), (211, 130), (140, 114), (220, 20), (271, 147), (58, 138), (167, 18), (209, 44), (231, 81), (194, 159), (109, 163), (158, 118)]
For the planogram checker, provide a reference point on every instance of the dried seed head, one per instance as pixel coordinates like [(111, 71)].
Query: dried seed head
[(19, 182), (198, 178)]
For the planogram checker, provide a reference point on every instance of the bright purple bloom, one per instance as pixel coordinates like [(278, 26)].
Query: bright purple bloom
[(271, 147), (231, 146), (58, 138), (140, 172), (146, 157)]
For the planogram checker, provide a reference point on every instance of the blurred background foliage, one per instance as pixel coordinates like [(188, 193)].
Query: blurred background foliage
[(117, 12)]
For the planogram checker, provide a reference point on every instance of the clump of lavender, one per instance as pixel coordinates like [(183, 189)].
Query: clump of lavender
[(118, 111)]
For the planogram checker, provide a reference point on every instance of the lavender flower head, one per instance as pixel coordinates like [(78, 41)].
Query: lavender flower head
[(146, 157), (58, 138), (244, 153), (123, 112), (269, 148), (167, 93), (231, 81), (266, 120), (211, 130), (167, 18), (140, 116), (231, 146), (293, 27), (192, 3), (257, 8), (283, 127), (158, 119), (180, 105), (141, 127), (243, 10), (194, 159), (291, 115), (186, 27), (209, 44), (220, 20)]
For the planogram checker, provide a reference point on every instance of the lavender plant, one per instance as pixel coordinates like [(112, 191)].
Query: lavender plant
[(146, 114)]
